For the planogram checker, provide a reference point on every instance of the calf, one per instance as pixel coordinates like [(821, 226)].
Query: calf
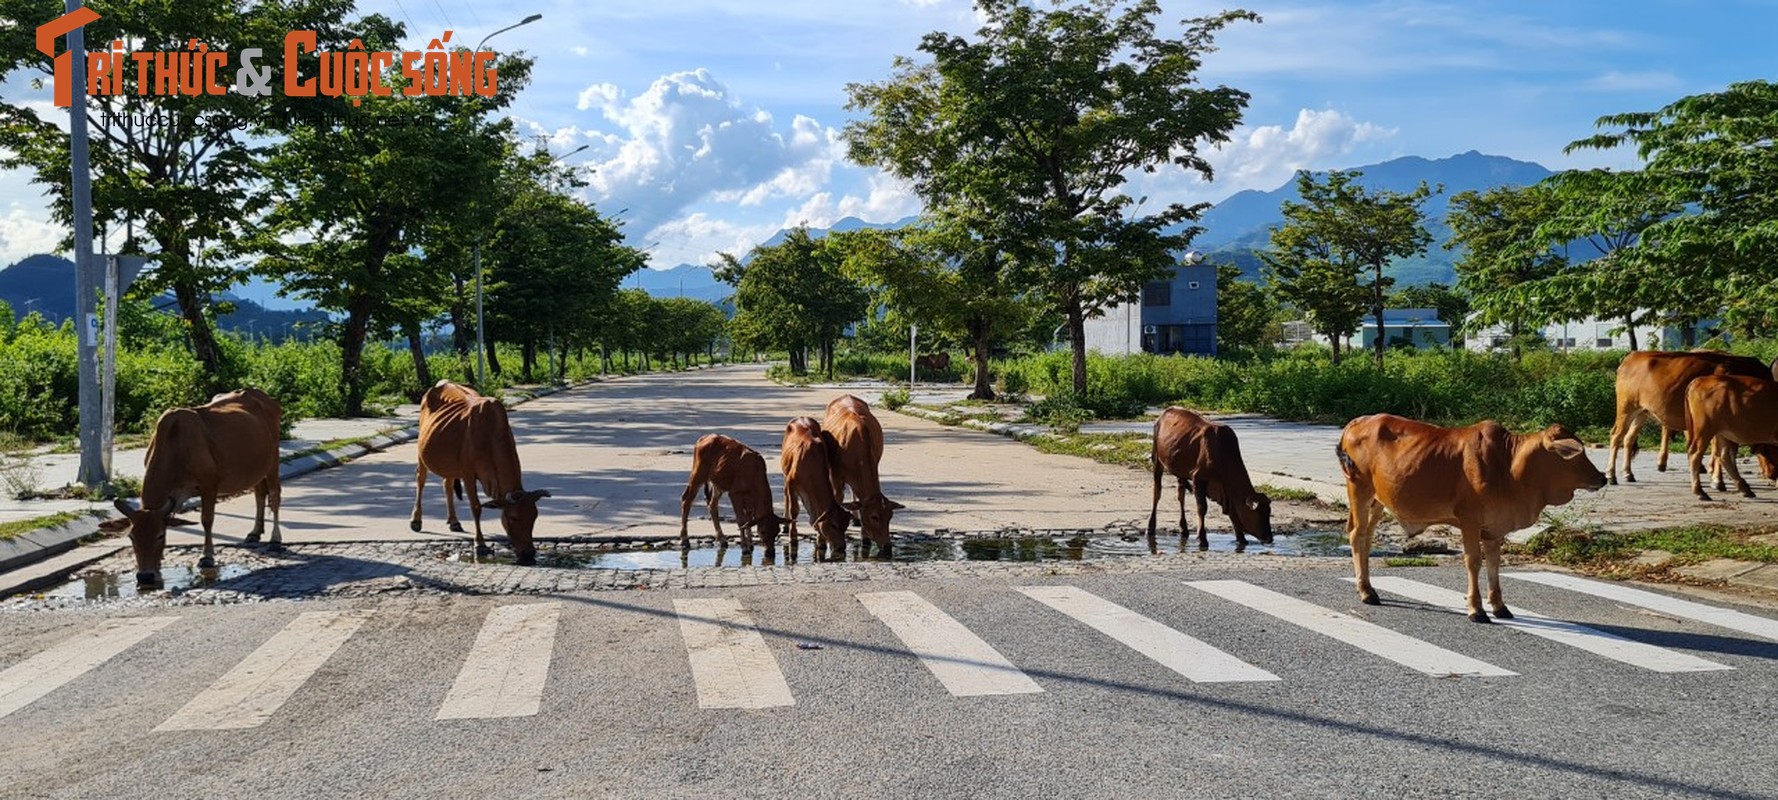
[(860, 440), (1483, 480), (808, 458), (1205, 456), (1731, 410), (720, 465), (211, 451), (466, 439)]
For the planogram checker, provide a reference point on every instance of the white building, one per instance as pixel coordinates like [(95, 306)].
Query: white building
[(1590, 334)]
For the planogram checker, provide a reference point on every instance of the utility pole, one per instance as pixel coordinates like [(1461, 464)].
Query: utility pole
[(913, 349), (481, 353), (93, 469)]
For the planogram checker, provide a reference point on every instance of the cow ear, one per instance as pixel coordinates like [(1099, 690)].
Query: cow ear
[(115, 525), (894, 506), (1566, 448), (852, 507)]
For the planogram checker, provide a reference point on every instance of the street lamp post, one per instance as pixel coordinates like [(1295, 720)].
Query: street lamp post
[(481, 350)]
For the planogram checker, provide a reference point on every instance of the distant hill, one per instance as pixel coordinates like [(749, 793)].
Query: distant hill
[(45, 284), (1240, 226)]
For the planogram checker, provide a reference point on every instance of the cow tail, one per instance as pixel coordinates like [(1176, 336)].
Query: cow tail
[(457, 486), (1347, 465)]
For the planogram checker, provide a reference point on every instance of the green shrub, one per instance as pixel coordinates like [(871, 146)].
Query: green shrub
[(895, 398)]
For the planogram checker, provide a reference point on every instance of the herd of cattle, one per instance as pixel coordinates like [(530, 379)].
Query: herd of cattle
[(1480, 479)]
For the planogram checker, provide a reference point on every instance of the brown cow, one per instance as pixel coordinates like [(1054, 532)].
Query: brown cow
[(466, 438), (1206, 456), (1483, 480), (1652, 385), (809, 458), (211, 451), (935, 362), (1729, 410), (860, 439), (720, 465)]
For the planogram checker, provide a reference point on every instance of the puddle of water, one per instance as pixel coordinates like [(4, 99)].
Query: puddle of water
[(910, 548), (114, 585)]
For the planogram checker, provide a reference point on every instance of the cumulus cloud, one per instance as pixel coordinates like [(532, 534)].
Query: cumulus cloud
[(887, 200), (1264, 155), (25, 232), (687, 139)]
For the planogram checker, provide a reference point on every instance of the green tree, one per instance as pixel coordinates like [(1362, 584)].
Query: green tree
[(1604, 214), (1453, 306), (362, 182), (1502, 251), (1042, 117), (1303, 271), (178, 177), (1715, 154), (1357, 231), (1246, 314), (793, 296)]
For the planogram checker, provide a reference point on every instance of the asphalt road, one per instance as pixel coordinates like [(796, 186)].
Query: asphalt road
[(870, 680)]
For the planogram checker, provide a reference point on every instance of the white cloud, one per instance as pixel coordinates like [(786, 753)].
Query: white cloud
[(888, 200), (25, 232), (1268, 154), (687, 139)]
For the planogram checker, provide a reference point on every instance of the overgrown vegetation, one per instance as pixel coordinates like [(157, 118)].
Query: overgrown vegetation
[(1610, 551), (17, 528)]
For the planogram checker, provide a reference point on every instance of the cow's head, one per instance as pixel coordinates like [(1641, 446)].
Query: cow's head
[(1254, 517), (1768, 460), (832, 523), (767, 527), (518, 515), (873, 517), (1561, 465), (148, 538)]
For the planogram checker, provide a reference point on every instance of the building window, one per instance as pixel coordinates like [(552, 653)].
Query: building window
[(1192, 285), (1157, 293), (1604, 343)]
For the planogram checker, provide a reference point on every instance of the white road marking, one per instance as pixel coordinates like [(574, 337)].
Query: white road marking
[(1400, 648), (730, 663), (506, 668), (965, 664), (1720, 617), (254, 690), (23, 683), (1592, 640), (1197, 661)]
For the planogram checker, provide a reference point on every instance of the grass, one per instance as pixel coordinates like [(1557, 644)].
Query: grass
[(1286, 493), (1410, 561), (325, 446), (1610, 553), (1123, 449), (13, 530)]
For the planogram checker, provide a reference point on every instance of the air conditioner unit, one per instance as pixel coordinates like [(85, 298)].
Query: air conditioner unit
[(1191, 285), (1148, 329)]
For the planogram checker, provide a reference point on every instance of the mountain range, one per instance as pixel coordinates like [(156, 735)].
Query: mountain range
[(44, 284), (1234, 231)]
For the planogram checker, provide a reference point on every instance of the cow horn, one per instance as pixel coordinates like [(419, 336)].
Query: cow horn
[(166, 509), (124, 507), (539, 494), (513, 496)]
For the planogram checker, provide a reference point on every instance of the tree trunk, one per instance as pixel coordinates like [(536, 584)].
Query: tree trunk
[(203, 337), (1377, 302), (527, 358), (1077, 331), (422, 370), (979, 335), (1688, 335), (460, 321), (352, 353), (493, 359), (1630, 327)]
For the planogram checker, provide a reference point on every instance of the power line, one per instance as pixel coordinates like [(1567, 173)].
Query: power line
[(441, 12)]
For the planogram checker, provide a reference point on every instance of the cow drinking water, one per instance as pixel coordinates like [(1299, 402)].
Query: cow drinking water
[(720, 465), (466, 439), (808, 458), (860, 439), (211, 451), (1206, 457)]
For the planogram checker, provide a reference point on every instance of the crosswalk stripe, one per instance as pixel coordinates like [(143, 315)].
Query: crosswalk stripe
[(965, 664), (730, 663), (1720, 617), (1197, 661), (506, 668), (251, 692), (23, 683), (1400, 648), (1592, 640)]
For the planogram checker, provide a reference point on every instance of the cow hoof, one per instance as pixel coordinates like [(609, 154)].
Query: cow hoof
[(206, 563), (1660, 467), (1370, 599), (1702, 497), (251, 538), (1502, 613), (484, 550), (1628, 478), (1747, 493), (456, 527), (148, 580), (1722, 487), (1477, 616), (275, 547), (1613, 480), (526, 560), (414, 526)]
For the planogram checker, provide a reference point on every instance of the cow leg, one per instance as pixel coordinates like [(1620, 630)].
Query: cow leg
[(1694, 452), (685, 498), (208, 515), (452, 524), (275, 498), (1632, 437), (413, 520), (1617, 441), (1154, 508), (1185, 527), (790, 515), (1725, 459), (475, 513), (1716, 458), (258, 513), (1666, 444), (1360, 519), (716, 517), (1472, 564), (1491, 559), (1204, 530)]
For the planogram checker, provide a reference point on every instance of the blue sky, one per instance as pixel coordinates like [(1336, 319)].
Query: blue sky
[(716, 122)]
